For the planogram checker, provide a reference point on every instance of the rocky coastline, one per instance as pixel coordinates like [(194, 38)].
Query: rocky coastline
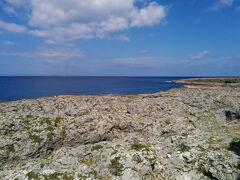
[(185, 133)]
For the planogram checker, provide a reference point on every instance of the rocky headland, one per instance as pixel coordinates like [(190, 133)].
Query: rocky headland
[(185, 133)]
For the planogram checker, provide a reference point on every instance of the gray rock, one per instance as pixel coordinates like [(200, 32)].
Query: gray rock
[(179, 134)]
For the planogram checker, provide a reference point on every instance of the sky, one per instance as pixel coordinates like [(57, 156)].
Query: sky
[(120, 38)]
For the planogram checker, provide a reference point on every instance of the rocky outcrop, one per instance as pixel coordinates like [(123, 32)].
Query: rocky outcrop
[(179, 134), (209, 83)]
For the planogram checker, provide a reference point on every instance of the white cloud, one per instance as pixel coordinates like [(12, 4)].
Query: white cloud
[(220, 4), (148, 61), (12, 27), (227, 2), (200, 55), (8, 42), (49, 41), (49, 54), (86, 19), (61, 53), (121, 37), (148, 16), (17, 54)]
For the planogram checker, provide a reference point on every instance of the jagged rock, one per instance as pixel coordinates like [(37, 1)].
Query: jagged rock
[(179, 134)]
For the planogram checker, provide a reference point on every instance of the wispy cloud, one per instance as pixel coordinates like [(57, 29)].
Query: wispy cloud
[(237, 9), (146, 61), (132, 61), (46, 53), (50, 41), (199, 55), (12, 27), (8, 42), (121, 37), (143, 51), (220, 4)]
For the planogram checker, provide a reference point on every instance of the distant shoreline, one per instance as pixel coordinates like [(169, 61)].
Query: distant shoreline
[(206, 83), (112, 88)]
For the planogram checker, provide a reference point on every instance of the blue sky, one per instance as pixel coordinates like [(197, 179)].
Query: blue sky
[(120, 37)]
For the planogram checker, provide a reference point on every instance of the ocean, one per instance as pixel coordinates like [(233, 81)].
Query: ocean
[(17, 88)]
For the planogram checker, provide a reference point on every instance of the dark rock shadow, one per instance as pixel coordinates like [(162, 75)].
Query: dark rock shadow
[(235, 147), (231, 116)]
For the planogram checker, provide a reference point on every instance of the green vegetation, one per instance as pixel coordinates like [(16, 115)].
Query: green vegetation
[(33, 175), (35, 138), (168, 121), (137, 146), (58, 176), (42, 165), (50, 135), (82, 177), (47, 120), (114, 152), (30, 116), (10, 148), (50, 128), (184, 148), (58, 120), (84, 113), (64, 133), (89, 120), (97, 147), (92, 129), (87, 162), (137, 158), (26, 123), (116, 168)]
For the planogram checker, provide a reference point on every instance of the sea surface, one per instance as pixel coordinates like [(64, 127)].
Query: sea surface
[(17, 88)]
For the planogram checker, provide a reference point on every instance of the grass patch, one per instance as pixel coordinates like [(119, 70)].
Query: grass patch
[(32, 175), (10, 149), (47, 120), (58, 176), (168, 121), (35, 138), (82, 177), (184, 148), (30, 116), (58, 120), (42, 165), (92, 129), (64, 133), (116, 168), (50, 128), (137, 158), (137, 146), (89, 121), (114, 152), (97, 147)]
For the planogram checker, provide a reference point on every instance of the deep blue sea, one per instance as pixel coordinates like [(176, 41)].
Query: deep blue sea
[(17, 88)]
